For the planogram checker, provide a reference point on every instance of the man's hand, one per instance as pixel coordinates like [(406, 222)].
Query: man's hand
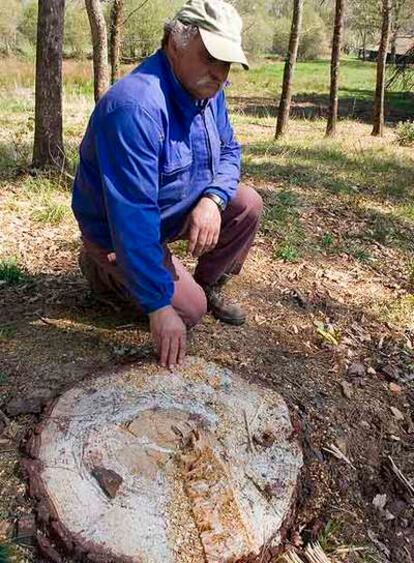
[(169, 335), (203, 227)]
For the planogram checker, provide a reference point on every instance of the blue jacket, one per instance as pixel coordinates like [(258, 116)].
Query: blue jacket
[(149, 153)]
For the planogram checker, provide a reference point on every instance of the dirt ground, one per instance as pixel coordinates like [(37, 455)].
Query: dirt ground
[(352, 394)]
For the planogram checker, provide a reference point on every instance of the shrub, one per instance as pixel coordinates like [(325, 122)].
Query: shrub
[(313, 42), (405, 133), (143, 29), (255, 41), (9, 19)]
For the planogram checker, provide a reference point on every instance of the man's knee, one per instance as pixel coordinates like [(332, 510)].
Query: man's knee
[(249, 203), (194, 308)]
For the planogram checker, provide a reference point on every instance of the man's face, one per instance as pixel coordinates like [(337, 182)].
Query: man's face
[(199, 73)]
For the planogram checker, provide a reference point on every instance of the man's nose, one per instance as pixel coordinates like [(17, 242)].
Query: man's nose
[(220, 71)]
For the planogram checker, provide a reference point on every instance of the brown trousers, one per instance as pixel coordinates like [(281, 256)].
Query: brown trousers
[(240, 222)]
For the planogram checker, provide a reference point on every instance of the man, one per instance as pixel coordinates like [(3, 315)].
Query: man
[(159, 162)]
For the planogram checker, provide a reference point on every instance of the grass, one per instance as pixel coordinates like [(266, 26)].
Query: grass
[(5, 555), (399, 311), (10, 271), (46, 197)]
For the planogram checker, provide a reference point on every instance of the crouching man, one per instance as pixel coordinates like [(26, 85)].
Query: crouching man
[(159, 162)]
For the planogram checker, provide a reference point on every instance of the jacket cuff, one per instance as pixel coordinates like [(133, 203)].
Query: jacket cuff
[(154, 306), (218, 191)]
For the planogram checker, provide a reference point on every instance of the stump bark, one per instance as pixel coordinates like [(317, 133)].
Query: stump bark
[(146, 465)]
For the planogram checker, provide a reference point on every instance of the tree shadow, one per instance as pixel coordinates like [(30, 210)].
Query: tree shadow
[(327, 168), (353, 104)]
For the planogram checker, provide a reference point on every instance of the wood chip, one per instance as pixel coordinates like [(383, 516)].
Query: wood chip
[(397, 413), (347, 390)]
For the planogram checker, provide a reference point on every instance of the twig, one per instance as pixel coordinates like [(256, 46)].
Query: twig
[(4, 418), (46, 321), (249, 436), (336, 452), (130, 326), (133, 11), (401, 476)]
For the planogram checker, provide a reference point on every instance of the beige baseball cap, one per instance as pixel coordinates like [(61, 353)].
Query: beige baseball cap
[(220, 28)]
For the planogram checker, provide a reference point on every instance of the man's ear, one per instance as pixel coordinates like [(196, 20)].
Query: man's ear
[(173, 47)]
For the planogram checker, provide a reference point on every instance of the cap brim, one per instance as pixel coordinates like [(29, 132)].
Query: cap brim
[(223, 49)]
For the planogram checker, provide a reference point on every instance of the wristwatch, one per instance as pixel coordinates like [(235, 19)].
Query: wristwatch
[(221, 204)]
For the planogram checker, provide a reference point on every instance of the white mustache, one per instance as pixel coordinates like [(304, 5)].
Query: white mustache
[(206, 81)]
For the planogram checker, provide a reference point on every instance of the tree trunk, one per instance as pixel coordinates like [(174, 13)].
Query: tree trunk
[(336, 53), (48, 140), (115, 41), (286, 97), (378, 129), (393, 56), (364, 46), (100, 47)]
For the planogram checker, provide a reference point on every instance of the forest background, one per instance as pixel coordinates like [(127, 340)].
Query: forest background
[(266, 26)]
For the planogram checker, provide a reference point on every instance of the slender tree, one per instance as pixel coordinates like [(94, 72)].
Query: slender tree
[(286, 97), (100, 47), (335, 56), (378, 129), (115, 37), (48, 139)]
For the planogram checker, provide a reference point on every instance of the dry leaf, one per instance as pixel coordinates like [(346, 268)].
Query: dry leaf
[(394, 388)]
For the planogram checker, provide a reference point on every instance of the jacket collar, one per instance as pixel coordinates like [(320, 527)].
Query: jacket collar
[(188, 105)]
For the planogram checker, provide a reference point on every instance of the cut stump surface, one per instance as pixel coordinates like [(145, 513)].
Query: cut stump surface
[(148, 466)]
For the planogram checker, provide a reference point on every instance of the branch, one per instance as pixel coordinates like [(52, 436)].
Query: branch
[(135, 10)]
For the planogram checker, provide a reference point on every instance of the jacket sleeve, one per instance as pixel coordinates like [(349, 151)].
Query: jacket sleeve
[(128, 143), (227, 175)]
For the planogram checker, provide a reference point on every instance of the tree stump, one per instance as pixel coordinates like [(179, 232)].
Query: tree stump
[(144, 465)]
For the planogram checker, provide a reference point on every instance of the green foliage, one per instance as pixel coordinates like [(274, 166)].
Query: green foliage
[(405, 133), (10, 272), (77, 39), (144, 28), (10, 14), (28, 23), (288, 253), (314, 42), (261, 42), (5, 556)]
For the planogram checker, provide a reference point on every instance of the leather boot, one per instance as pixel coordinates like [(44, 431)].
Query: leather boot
[(219, 306)]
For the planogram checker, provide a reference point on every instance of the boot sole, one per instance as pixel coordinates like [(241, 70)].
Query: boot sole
[(229, 320)]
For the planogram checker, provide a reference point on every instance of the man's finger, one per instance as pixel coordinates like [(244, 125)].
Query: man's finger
[(201, 242), (183, 346), (173, 353), (164, 351), (192, 239)]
